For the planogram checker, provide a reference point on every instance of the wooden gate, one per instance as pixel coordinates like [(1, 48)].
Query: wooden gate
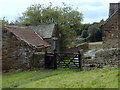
[(63, 60), (69, 60)]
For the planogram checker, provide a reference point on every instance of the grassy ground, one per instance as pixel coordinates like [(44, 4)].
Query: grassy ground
[(62, 78), (0, 81), (95, 45)]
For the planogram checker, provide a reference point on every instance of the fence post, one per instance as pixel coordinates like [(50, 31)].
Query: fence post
[(45, 66), (79, 58), (55, 59)]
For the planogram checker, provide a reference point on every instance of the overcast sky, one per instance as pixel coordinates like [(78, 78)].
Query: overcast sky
[(93, 10)]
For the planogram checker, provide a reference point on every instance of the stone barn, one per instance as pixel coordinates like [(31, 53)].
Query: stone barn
[(49, 33), (111, 33), (18, 46)]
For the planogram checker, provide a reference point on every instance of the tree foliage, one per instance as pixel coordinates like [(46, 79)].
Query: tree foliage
[(67, 19), (81, 28), (95, 33), (84, 34), (92, 32), (4, 21)]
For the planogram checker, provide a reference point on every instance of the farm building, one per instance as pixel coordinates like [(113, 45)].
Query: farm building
[(47, 32), (111, 33), (19, 44)]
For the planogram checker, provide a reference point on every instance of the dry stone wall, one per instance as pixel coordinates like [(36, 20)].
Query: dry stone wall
[(102, 58)]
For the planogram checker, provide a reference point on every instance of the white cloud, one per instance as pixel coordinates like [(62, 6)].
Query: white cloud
[(91, 20), (89, 8), (11, 8)]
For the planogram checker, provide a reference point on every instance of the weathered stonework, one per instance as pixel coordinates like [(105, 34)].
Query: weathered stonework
[(19, 47), (111, 33), (110, 54), (1, 53), (38, 60), (15, 53), (102, 58)]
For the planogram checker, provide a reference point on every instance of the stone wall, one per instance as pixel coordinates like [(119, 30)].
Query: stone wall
[(102, 58), (111, 33), (0, 47), (119, 29), (38, 60), (15, 53), (49, 40), (18, 54)]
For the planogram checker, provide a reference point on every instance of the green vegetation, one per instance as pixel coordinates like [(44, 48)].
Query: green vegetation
[(92, 43), (84, 34), (65, 17), (95, 45), (95, 33), (0, 81), (4, 21), (86, 50), (63, 78), (92, 32)]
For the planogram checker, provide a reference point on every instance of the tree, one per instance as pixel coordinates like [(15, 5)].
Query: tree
[(4, 21), (95, 33), (81, 28), (84, 33), (67, 19)]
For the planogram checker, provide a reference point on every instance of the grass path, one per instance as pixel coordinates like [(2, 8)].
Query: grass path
[(11, 80), (61, 78)]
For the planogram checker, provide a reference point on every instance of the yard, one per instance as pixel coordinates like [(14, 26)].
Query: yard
[(62, 78)]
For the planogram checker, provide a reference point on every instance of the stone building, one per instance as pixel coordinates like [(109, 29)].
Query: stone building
[(18, 46), (111, 33), (111, 38), (49, 33), (110, 53)]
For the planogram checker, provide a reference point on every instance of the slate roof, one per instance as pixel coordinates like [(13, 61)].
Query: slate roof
[(44, 30), (27, 35)]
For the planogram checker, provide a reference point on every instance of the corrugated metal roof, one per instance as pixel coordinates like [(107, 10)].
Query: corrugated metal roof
[(27, 35)]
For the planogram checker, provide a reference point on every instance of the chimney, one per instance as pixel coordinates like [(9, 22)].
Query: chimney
[(113, 8)]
